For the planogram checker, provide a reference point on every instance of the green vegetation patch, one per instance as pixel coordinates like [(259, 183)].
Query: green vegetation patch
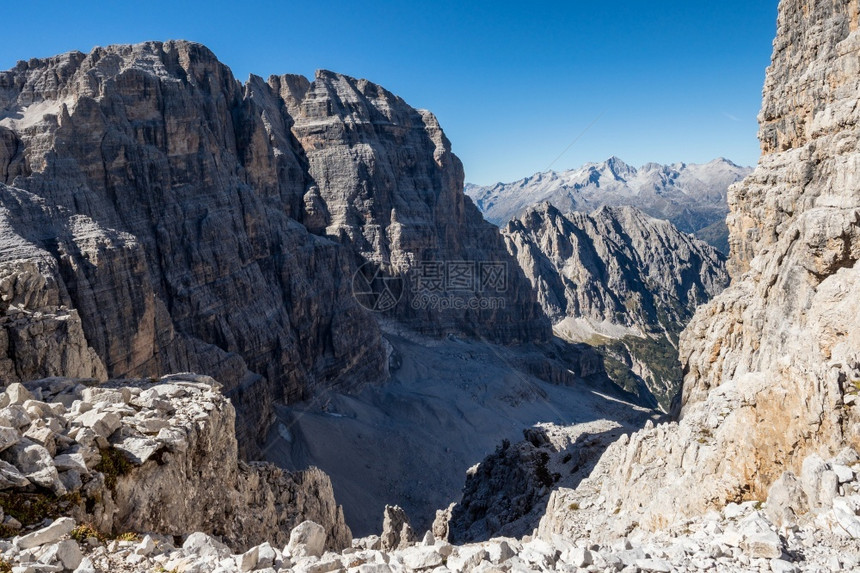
[(113, 465), (658, 354), (84, 531), (31, 508)]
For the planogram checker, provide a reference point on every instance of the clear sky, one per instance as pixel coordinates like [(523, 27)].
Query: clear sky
[(513, 83)]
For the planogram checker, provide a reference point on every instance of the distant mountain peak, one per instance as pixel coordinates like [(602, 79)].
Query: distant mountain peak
[(723, 160), (617, 269), (692, 196)]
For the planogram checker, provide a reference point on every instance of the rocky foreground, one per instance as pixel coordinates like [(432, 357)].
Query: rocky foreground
[(142, 456), (740, 538), (113, 478)]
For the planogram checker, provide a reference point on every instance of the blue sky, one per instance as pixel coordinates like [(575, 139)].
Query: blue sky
[(513, 83)]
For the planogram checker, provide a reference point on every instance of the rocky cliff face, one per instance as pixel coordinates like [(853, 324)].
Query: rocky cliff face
[(691, 196), (621, 279), (390, 188), (772, 363), (136, 170), (795, 240), (144, 456), (159, 216), (507, 493)]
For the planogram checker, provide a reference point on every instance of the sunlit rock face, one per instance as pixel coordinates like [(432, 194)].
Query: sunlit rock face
[(389, 187), (772, 364), (622, 280)]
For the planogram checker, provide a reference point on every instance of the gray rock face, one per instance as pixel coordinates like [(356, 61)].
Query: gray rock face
[(39, 335), (397, 532), (618, 274), (158, 216), (390, 188), (692, 197), (153, 241), (772, 363), (507, 493)]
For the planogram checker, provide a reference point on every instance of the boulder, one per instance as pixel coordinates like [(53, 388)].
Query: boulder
[(306, 539), (18, 394), (71, 461), (50, 534), (248, 560), (35, 462), (418, 557), (201, 545), (10, 477), (845, 515), (8, 437), (66, 552), (844, 474), (786, 501), (578, 557), (15, 416), (501, 551), (266, 555), (102, 423), (146, 546)]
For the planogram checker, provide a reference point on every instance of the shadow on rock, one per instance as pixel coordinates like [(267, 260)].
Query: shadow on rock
[(507, 493)]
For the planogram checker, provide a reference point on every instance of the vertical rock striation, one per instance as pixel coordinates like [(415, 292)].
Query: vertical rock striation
[(188, 222), (158, 216), (389, 187), (773, 363), (615, 265), (621, 279), (149, 176)]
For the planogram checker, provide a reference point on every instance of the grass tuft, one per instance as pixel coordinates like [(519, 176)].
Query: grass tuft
[(31, 508), (113, 465)]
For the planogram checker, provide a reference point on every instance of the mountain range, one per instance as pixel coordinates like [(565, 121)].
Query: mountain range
[(621, 281), (307, 248), (691, 196)]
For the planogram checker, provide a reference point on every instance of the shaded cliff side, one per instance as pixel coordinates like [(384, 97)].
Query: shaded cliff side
[(169, 218)]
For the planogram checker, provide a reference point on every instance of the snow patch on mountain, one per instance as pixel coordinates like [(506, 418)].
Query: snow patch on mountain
[(691, 196)]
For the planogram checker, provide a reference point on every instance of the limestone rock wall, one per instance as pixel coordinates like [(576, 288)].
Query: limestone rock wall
[(193, 223), (772, 364), (619, 277), (390, 188), (616, 264), (39, 334)]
